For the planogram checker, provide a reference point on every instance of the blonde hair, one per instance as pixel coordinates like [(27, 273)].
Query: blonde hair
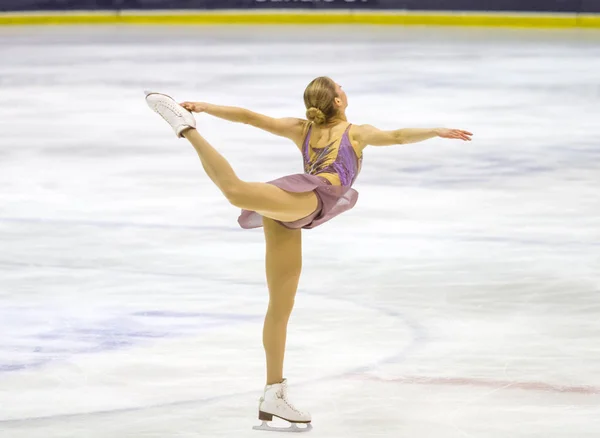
[(319, 98)]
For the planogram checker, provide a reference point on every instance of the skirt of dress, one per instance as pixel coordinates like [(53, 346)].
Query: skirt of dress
[(333, 200)]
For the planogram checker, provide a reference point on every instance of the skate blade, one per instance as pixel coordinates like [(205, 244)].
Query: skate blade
[(149, 93), (292, 428)]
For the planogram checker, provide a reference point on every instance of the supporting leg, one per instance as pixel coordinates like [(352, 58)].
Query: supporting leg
[(283, 266)]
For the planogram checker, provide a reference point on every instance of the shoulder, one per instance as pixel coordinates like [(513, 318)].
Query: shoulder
[(298, 126), (299, 129), (358, 130), (304, 125), (357, 135)]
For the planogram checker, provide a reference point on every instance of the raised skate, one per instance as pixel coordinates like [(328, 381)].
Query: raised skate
[(174, 114), (275, 403)]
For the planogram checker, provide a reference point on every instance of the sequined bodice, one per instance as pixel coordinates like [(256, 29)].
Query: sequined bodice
[(345, 163)]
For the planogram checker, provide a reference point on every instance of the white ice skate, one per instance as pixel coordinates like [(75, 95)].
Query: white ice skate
[(177, 116), (274, 403)]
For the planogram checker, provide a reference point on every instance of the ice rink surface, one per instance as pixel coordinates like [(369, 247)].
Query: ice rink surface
[(460, 298)]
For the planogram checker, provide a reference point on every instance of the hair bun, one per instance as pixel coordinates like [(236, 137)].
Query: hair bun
[(315, 115)]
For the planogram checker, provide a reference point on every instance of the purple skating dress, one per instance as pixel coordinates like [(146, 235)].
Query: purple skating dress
[(333, 199)]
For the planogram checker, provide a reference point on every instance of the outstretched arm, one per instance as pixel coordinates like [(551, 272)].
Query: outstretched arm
[(367, 135), (288, 127)]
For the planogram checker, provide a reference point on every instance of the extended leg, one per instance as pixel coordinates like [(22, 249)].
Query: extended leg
[(266, 199)]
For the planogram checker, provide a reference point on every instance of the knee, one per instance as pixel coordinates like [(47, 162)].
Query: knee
[(280, 308)]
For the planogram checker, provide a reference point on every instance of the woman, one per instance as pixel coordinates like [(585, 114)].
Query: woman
[(332, 152)]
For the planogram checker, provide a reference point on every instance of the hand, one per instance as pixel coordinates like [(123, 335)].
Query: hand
[(195, 107), (454, 133)]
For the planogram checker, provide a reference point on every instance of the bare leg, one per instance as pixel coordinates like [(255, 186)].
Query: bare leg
[(283, 264), (266, 199)]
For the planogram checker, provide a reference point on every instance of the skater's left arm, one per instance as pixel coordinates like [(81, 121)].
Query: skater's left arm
[(367, 135), (288, 127)]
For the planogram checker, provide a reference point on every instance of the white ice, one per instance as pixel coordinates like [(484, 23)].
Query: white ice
[(460, 298)]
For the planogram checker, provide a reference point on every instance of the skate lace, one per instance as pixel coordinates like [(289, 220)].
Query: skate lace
[(283, 396), (170, 107)]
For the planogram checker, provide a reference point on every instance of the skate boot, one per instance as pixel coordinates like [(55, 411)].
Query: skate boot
[(275, 403), (175, 115)]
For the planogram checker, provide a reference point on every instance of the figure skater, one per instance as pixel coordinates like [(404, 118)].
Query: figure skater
[(332, 152)]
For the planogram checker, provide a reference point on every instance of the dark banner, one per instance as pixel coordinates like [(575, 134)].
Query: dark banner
[(590, 6), (436, 5), (56, 5), (427, 5)]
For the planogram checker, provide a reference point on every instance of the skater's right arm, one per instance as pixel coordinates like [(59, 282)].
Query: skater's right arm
[(287, 127)]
